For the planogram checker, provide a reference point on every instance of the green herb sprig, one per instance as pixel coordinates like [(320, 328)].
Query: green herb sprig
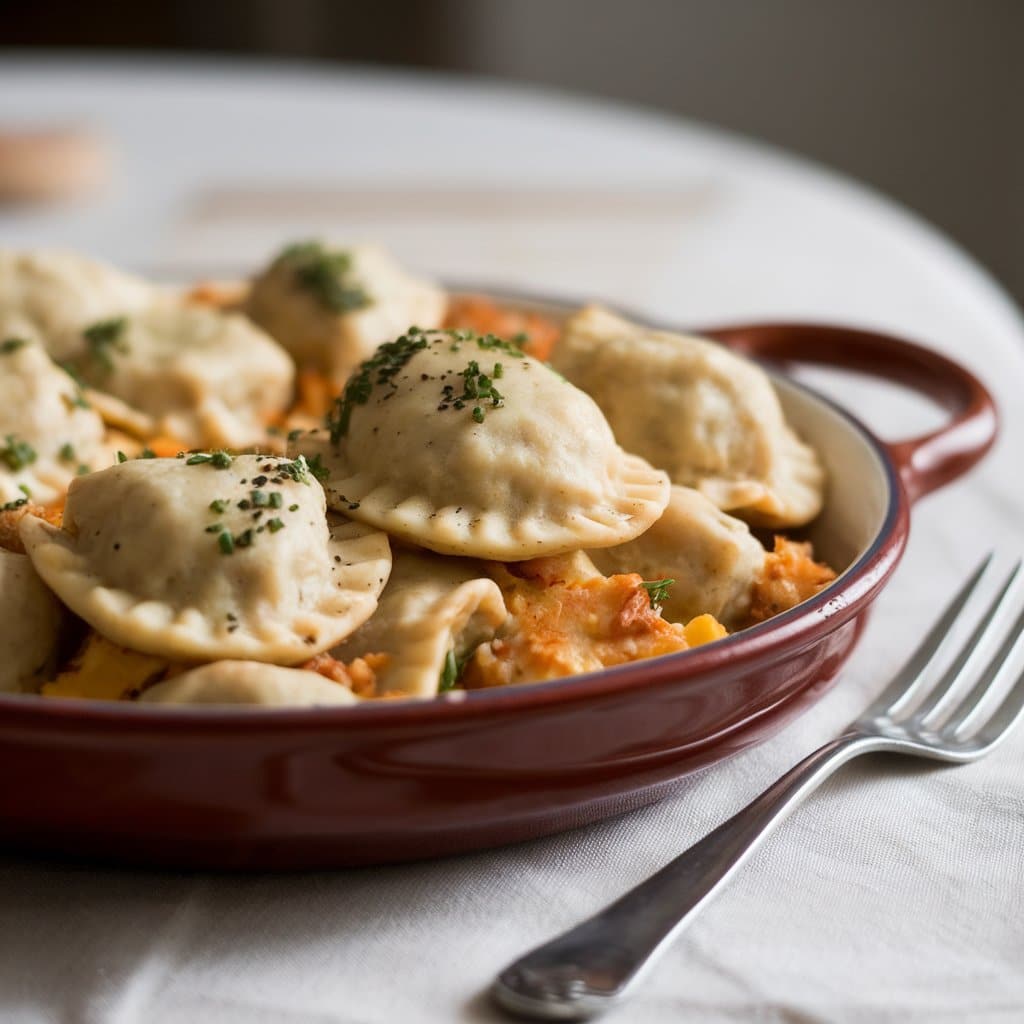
[(105, 338), (476, 386), (17, 454), (219, 460), (657, 591), (450, 671), (298, 469), (326, 275)]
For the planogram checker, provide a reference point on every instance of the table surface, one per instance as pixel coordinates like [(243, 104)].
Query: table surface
[(895, 894)]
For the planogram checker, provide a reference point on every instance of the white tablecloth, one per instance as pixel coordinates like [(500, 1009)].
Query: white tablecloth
[(896, 893)]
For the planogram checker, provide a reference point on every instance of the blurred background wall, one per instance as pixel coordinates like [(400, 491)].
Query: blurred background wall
[(923, 99)]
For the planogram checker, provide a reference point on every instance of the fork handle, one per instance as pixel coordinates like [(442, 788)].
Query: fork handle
[(582, 972)]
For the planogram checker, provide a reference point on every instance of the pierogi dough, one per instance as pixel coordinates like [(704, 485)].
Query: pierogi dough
[(30, 621), (48, 432), (248, 683)]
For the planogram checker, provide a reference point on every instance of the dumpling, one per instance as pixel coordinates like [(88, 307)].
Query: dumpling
[(248, 682), (203, 377), (332, 307), (434, 612), (30, 619), (710, 418), (712, 558), (48, 432), (210, 557), (464, 445), (59, 293)]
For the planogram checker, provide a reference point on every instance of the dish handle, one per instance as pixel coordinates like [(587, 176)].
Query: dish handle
[(927, 462)]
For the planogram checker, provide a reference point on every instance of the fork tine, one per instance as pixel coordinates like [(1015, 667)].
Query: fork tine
[(1005, 716), (969, 654), (902, 685), (968, 709)]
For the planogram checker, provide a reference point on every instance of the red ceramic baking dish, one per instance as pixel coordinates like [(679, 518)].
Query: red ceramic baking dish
[(276, 789)]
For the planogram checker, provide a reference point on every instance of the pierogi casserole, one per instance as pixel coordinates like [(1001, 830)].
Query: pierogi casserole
[(335, 483)]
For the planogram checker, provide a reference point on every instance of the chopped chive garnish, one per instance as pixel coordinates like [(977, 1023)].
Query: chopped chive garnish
[(17, 454), (298, 470), (103, 338), (219, 460), (326, 275), (450, 672), (317, 468), (657, 591)]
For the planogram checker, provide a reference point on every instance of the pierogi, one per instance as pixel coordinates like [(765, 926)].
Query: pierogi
[(331, 307), (708, 417), (203, 377), (460, 443), (711, 557), (433, 613), (210, 557)]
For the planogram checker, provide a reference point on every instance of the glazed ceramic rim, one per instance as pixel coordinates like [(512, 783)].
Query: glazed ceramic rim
[(772, 640)]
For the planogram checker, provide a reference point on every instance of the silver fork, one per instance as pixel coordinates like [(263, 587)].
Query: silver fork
[(586, 970)]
